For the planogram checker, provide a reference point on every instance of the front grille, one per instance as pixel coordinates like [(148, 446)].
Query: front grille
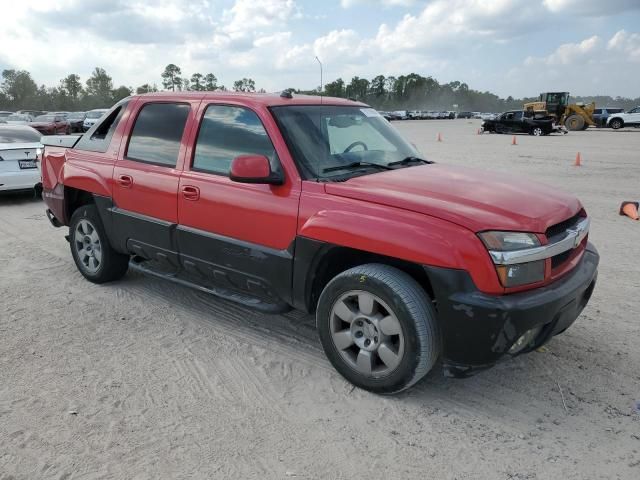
[(557, 230), (559, 259), (560, 228)]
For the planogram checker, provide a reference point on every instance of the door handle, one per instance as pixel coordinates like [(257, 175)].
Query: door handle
[(125, 181), (191, 193)]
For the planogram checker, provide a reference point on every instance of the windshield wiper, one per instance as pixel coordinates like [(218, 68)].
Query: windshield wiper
[(408, 160), (350, 166)]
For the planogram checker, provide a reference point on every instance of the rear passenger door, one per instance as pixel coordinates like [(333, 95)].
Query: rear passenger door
[(146, 177), (236, 235)]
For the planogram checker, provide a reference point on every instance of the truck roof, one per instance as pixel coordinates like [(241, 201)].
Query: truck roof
[(262, 99)]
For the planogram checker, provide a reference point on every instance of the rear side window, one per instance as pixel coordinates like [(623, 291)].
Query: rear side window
[(157, 133), (228, 132), (98, 137)]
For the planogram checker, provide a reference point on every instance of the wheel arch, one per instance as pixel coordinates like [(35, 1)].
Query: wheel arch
[(75, 198), (318, 262)]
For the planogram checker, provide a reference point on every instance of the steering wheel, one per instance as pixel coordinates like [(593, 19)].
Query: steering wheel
[(354, 145)]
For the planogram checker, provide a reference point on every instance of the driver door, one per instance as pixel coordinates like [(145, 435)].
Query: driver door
[(237, 235)]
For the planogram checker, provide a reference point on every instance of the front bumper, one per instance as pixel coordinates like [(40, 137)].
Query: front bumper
[(479, 329)]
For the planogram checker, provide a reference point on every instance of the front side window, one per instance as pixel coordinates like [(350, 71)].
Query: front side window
[(517, 116), (333, 141), (227, 132), (157, 133)]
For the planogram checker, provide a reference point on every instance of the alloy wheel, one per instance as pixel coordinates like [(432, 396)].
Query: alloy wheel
[(86, 242), (367, 333)]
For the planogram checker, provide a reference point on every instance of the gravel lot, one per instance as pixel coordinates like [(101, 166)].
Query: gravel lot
[(142, 379)]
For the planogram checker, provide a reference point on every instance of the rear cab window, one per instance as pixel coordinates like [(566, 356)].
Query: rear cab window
[(98, 137), (157, 133), (227, 132)]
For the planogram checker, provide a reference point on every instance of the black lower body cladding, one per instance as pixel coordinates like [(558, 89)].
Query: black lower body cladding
[(479, 329)]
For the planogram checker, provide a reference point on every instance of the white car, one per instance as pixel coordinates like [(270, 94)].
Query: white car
[(19, 146), (17, 119), (619, 120), (92, 118)]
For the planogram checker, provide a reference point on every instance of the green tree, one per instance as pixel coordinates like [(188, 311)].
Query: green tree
[(378, 86), (357, 89), (99, 83), (244, 85), (197, 83), (146, 88), (211, 82), (120, 93), (71, 86), (335, 88), (171, 77), (19, 87)]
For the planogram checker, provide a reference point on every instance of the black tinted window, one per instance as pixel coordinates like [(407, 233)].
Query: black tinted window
[(157, 133), (19, 135), (228, 132), (98, 138)]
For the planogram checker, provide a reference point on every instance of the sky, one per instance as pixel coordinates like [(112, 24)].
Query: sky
[(509, 47)]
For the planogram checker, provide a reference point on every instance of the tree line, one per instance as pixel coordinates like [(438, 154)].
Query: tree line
[(19, 91)]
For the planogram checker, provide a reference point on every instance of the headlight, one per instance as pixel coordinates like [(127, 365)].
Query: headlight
[(508, 241), (518, 274)]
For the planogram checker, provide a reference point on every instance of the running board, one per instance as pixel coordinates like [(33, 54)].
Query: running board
[(245, 300)]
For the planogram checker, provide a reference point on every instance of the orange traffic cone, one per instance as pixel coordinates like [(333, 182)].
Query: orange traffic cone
[(439, 137), (630, 209), (578, 162), (514, 141)]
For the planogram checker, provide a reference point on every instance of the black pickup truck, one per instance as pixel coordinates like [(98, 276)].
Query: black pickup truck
[(520, 121)]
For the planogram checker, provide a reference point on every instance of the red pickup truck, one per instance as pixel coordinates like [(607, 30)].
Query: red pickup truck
[(281, 201)]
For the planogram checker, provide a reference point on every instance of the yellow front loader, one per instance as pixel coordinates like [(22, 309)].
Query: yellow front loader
[(574, 116)]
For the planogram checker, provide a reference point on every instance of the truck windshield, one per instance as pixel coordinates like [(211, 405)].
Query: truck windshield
[(330, 141)]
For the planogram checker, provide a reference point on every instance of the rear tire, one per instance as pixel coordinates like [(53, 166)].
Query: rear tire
[(378, 328), (574, 122), (616, 123), (90, 248)]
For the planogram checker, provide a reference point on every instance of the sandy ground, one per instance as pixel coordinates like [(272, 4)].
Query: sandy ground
[(142, 379)]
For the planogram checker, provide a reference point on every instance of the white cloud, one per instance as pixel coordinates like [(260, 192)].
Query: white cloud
[(275, 41), (591, 66), (386, 3), (590, 7)]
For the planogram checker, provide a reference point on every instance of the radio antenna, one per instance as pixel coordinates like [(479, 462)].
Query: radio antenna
[(321, 84)]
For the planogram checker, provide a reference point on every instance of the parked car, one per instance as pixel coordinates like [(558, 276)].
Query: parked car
[(31, 113), (19, 145), (92, 117), (253, 198), (629, 119), (401, 114), (477, 115), (4, 114), (600, 115), (16, 119), (465, 115), (520, 121), (50, 124), (414, 115), (76, 121)]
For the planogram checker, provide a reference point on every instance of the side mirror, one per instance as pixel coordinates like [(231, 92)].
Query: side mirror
[(254, 169)]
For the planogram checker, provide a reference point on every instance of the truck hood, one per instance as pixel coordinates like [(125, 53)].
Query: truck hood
[(475, 199)]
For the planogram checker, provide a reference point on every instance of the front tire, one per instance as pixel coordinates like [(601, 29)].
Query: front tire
[(616, 123), (378, 328), (96, 260), (537, 132), (574, 122)]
